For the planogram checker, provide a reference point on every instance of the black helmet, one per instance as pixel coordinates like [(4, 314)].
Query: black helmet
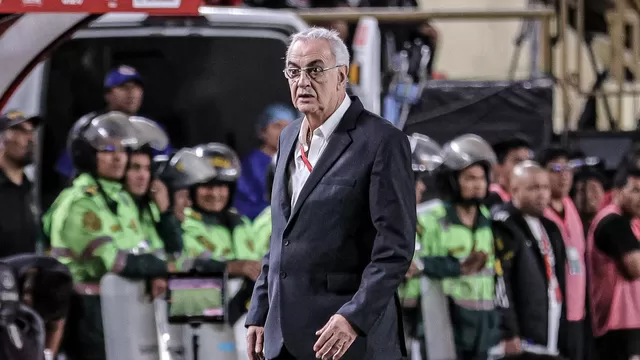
[(457, 155)]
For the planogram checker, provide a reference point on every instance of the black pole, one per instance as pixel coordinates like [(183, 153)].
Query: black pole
[(195, 340)]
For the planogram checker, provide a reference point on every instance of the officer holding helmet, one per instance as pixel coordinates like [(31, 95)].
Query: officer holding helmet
[(180, 172), (94, 228), (457, 245)]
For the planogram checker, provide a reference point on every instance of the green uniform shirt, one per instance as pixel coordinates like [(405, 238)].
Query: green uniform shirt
[(445, 243), (204, 236), (91, 240)]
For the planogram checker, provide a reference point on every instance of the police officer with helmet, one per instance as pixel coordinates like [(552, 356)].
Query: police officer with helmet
[(94, 228), (425, 158), (457, 245), (211, 225)]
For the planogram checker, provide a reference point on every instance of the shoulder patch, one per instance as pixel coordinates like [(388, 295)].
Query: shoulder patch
[(206, 243), (419, 229), (91, 190), (195, 215), (250, 245), (91, 221)]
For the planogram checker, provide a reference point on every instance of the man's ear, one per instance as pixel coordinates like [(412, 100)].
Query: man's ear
[(343, 76)]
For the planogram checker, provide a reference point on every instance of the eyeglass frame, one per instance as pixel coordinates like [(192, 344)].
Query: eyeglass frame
[(306, 71)]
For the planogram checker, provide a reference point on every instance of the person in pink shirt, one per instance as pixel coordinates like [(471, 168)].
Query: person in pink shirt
[(564, 214), (509, 152), (613, 263)]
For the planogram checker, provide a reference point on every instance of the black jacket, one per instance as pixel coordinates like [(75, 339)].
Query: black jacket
[(525, 277)]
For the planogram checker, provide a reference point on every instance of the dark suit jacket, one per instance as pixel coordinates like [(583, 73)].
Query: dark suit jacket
[(345, 246), (525, 277)]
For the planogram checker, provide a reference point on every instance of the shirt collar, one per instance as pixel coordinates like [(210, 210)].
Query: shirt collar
[(328, 127), (4, 180)]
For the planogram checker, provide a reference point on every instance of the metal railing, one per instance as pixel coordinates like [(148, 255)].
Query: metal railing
[(399, 15)]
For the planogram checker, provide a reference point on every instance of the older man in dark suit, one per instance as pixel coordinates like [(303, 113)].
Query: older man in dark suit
[(343, 208)]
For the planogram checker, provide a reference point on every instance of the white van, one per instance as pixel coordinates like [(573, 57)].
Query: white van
[(206, 78)]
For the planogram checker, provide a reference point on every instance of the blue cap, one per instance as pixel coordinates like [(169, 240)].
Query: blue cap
[(123, 74), (274, 113)]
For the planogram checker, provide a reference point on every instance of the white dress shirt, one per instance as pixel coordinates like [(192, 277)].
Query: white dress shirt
[(555, 307), (319, 140)]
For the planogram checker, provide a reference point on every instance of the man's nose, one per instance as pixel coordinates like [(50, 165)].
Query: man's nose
[(304, 80)]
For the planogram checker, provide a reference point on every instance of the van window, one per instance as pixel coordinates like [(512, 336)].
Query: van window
[(199, 88)]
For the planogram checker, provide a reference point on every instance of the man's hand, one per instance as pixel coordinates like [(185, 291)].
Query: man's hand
[(413, 271), (255, 342), (158, 287), (336, 336), (160, 195), (474, 263), (248, 268), (512, 346)]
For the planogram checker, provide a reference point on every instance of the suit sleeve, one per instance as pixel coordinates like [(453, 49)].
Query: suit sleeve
[(259, 305), (392, 206), (507, 251), (87, 236)]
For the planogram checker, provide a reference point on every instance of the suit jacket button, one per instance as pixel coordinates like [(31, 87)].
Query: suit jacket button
[(283, 274), (286, 243)]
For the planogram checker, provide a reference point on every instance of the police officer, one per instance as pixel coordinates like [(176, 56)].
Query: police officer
[(457, 245), (210, 224), (179, 173), (150, 196), (425, 157), (94, 228)]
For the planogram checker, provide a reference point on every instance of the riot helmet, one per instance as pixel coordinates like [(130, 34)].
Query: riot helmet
[(227, 166), (223, 159), (426, 154), (107, 132), (183, 169), (149, 133), (459, 154)]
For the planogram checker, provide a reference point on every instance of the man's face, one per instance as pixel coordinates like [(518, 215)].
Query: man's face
[(473, 183), (212, 198), (313, 94), (181, 201), (138, 175), (630, 196), (588, 196), (112, 164), (271, 133), (560, 177), (126, 98), (514, 157), (533, 192), (19, 143)]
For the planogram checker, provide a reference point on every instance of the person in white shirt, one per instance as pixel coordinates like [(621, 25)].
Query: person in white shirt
[(532, 255)]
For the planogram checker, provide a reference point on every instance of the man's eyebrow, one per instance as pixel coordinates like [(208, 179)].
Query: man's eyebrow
[(309, 64)]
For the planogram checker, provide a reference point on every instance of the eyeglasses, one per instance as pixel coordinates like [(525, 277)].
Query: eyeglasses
[(314, 72)]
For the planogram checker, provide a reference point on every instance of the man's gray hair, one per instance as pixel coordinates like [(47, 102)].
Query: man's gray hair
[(338, 48)]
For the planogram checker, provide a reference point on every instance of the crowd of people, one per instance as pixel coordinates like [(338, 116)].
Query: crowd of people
[(535, 253)]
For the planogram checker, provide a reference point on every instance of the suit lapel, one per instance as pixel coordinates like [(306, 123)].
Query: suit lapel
[(338, 143), (288, 150)]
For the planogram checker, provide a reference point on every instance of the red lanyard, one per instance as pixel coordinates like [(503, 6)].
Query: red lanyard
[(546, 249), (305, 160)]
